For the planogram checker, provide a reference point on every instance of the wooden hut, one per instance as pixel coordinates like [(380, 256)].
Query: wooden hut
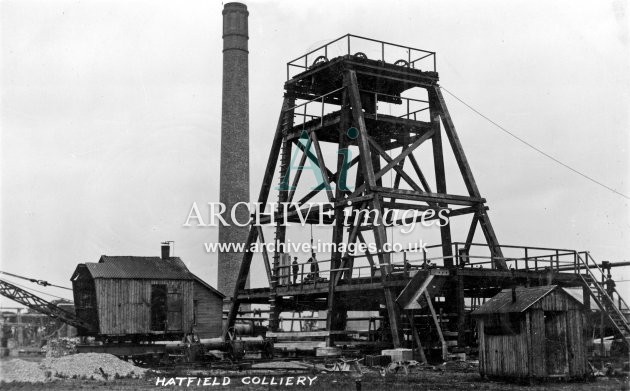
[(207, 309), (127, 297), (536, 332)]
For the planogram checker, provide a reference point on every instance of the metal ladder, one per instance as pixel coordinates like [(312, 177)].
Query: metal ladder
[(601, 297)]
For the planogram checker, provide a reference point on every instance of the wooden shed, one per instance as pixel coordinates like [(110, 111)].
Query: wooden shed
[(537, 332), (127, 297)]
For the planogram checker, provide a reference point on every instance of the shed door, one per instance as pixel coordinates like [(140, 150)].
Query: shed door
[(158, 307), (174, 310), (556, 344)]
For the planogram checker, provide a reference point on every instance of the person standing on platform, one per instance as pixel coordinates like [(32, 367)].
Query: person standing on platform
[(314, 266), (296, 269), (610, 286)]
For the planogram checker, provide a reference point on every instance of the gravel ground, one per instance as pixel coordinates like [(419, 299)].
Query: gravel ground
[(76, 371), (77, 366), (426, 380), (17, 370)]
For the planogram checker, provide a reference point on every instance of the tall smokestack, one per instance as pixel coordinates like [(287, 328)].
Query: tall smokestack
[(234, 176)]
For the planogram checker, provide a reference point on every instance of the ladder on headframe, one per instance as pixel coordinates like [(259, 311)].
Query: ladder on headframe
[(614, 312)]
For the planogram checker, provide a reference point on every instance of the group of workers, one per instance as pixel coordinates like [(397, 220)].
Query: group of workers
[(313, 273)]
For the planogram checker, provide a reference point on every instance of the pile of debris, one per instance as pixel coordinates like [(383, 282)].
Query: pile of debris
[(17, 370), (60, 347), (88, 366)]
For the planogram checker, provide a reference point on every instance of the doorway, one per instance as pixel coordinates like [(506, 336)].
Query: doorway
[(158, 307)]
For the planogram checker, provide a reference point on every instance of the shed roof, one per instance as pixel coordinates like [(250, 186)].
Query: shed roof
[(148, 268), (208, 286), (139, 268), (525, 297)]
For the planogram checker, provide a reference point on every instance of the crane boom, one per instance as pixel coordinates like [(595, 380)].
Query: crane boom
[(38, 304)]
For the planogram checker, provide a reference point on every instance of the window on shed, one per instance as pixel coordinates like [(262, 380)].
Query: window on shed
[(503, 324)]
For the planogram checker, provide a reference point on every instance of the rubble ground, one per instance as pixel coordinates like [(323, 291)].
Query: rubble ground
[(84, 366)]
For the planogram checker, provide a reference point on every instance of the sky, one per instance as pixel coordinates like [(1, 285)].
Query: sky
[(110, 117)]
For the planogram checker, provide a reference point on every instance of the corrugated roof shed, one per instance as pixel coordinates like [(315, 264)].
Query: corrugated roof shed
[(139, 268), (149, 268), (525, 297)]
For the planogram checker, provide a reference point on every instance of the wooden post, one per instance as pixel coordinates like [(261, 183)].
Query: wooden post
[(440, 178), (471, 234), (461, 310), (337, 234), (601, 320), (380, 234), (437, 326), (416, 337), (586, 297), (435, 94)]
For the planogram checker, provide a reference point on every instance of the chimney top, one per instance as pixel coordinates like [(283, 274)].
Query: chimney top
[(514, 294), (166, 249), (235, 7)]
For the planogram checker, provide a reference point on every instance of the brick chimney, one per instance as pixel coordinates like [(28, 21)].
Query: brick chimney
[(234, 175)]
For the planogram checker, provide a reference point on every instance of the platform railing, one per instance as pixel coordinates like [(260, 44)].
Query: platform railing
[(403, 107), (589, 266), (518, 258), (602, 295), (364, 47), (611, 290), (315, 109)]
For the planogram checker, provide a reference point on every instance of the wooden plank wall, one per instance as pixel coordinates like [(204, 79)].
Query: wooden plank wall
[(85, 301), (482, 347), (528, 354), (536, 336), (557, 301), (504, 355), (572, 325), (578, 352), (209, 312), (124, 305), (555, 337)]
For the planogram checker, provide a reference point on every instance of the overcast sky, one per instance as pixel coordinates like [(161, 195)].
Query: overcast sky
[(111, 117)]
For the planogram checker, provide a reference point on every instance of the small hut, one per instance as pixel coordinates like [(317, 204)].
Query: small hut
[(536, 332), (145, 297)]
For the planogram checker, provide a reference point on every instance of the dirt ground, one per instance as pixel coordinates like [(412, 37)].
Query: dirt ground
[(421, 380)]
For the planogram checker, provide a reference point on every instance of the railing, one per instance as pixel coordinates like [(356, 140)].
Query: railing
[(517, 258), (526, 258), (604, 296), (363, 271), (395, 106), (378, 104), (621, 303), (588, 264), (364, 268), (368, 48), (313, 109)]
